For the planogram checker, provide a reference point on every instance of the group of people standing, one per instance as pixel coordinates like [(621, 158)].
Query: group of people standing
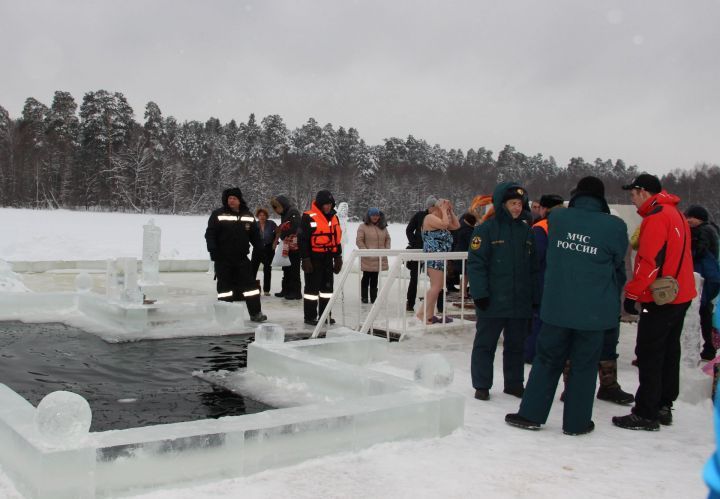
[(554, 285), (311, 241), (562, 277)]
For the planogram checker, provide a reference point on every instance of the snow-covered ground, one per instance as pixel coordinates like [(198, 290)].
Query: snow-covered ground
[(486, 458), (40, 235)]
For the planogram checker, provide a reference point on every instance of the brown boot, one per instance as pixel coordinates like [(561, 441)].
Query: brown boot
[(566, 374), (609, 387)]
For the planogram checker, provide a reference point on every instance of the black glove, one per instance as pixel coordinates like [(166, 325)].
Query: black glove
[(482, 303), (307, 266), (629, 306), (337, 264), (212, 256)]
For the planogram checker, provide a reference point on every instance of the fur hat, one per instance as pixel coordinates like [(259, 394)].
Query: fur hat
[(514, 192), (550, 200)]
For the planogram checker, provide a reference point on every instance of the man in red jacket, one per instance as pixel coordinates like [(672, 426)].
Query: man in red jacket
[(664, 250)]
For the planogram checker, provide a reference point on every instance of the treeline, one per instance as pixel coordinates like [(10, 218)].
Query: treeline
[(98, 157)]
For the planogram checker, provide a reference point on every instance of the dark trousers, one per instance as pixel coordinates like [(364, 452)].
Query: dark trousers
[(531, 341), (609, 346), (236, 282), (487, 334), (266, 260), (413, 285), (706, 314), (658, 357), (290, 285), (555, 346), (369, 282), (318, 285)]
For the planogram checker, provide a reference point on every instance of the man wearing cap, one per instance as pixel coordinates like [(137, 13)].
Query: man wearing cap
[(705, 262), (413, 231), (547, 203), (502, 270), (664, 250), (320, 240), (230, 232), (581, 300)]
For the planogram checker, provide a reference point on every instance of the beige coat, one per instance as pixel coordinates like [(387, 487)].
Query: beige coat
[(370, 236)]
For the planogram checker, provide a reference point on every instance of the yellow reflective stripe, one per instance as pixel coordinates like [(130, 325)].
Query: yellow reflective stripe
[(326, 295), (311, 297), (227, 218), (247, 219), (252, 292), (225, 295)]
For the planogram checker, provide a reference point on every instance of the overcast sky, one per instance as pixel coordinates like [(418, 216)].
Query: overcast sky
[(637, 80)]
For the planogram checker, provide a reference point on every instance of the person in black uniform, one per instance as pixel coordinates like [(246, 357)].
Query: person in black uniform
[(230, 232), (319, 239)]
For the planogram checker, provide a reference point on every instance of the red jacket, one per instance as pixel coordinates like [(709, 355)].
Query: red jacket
[(662, 232)]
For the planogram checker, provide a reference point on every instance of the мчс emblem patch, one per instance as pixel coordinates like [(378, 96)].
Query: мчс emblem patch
[(475, 243)]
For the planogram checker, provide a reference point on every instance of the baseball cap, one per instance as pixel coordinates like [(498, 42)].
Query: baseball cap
[(646, 182)]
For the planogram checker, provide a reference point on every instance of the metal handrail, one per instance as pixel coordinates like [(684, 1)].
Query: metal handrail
[(402, 256)]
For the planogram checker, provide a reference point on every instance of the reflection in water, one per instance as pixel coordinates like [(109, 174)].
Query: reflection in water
[(127, 384)]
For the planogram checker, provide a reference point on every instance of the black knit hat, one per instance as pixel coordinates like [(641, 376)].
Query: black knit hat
[(324, 197), (514, 192), (550, 200), (590, 186), (696, 211)]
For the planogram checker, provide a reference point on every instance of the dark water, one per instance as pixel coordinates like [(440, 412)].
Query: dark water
[(127, 384)]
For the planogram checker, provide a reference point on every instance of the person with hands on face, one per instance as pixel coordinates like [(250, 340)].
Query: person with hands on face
[(436, 227), (503, 271), (319, 240)]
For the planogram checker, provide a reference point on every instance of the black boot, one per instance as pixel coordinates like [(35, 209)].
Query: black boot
[(610, 390), (590, 427), (518, 421), (310, 310), (635, 422)]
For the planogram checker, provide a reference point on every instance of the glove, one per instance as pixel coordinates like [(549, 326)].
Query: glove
[(337, 264), (482, 303), (212, 256), (307, 266), (629, 306)]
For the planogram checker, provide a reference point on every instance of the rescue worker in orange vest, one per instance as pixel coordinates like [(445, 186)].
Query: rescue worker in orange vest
[(319, 239)]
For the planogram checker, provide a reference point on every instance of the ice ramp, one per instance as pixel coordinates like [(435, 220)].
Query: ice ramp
[(360, 407)]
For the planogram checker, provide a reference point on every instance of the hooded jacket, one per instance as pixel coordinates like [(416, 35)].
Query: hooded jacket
[(502, 264), (663, 234), (373, 236), (229, 233), (289, 218), (585, 270)]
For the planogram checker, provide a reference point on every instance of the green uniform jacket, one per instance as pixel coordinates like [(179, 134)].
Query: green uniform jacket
[(502, 263), (585, 266)]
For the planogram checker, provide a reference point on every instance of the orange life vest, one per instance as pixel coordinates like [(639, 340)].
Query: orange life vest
[(327, 234), (543, 224)]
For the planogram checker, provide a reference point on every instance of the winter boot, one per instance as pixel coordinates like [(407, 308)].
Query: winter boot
[(665, 417), (482, 394), (610, 390), (518, 421), (590, 427), (515, 391), (635, 422), (566, 373)]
